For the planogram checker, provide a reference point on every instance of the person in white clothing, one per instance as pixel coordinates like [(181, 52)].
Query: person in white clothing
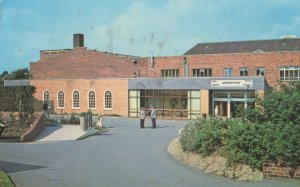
[(216, 111)]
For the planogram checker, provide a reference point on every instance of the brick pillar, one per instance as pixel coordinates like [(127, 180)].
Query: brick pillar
[(204, 102)]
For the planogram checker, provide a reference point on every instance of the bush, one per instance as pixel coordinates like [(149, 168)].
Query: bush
[(270, 132), (204, 136), (210, 138), (244, 142), (74, 119), (189, 133)]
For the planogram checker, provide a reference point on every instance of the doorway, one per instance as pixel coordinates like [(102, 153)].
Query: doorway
[(226, 104)]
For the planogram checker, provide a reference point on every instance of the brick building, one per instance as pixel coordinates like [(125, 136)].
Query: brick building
[(209, 79)]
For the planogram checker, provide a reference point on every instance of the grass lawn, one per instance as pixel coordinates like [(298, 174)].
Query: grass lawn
[(5, 180)]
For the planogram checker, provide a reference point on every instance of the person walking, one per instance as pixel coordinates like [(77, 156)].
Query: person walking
[(153, 118), (142, 117)]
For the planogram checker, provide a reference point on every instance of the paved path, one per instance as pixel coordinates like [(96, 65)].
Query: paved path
[(60, 132), (125, 156)]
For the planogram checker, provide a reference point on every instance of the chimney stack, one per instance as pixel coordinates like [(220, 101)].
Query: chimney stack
[(78, 40)]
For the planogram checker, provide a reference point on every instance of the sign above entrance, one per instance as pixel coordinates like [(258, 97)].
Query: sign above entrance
[(231, 83)]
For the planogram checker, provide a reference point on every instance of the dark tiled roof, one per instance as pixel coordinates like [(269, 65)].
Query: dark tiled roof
[(285, 44)]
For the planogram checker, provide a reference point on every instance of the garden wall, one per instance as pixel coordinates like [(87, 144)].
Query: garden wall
[(275, 171), (35, 129)]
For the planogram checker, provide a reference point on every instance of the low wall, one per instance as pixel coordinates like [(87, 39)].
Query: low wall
[(275, 171), (35, 129)]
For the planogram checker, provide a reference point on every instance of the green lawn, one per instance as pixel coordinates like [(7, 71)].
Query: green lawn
[(5, 180)]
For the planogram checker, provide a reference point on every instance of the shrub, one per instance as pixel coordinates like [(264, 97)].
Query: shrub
[(188, 134), (74, 119), (204, 136), (245, 143), (210, 138)]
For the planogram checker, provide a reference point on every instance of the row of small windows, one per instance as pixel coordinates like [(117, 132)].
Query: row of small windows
[(76, 99), (207, 72), (286, 73), (289, 73)]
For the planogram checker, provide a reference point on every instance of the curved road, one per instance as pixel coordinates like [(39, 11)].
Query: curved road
[(125, 156)]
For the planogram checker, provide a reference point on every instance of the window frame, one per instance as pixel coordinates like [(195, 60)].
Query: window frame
[(202, 72), (288, 71), (260, 70), (229, 74), (88, 100), (108, 101), (59, 100), (245, 71), (73, 100), (48, 99), (169, 73)]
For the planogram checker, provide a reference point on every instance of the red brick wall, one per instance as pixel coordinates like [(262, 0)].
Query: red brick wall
[(82, 63), (271, 61), (118, 88), (275, 171)]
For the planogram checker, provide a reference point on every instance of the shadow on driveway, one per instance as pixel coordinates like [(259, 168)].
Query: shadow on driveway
[(12, 167), (47, 131)]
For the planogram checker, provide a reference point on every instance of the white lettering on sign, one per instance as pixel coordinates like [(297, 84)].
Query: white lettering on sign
[(231, 83)]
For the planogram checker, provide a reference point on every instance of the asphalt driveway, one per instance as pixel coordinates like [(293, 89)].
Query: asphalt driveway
[(125, 156)]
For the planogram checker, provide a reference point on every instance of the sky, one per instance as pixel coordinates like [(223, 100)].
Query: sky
[(137, 27)]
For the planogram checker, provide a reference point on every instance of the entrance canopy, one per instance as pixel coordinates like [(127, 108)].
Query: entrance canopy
[(202, 83)]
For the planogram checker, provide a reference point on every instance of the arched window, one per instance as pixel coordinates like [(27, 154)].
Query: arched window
[(76, 99), (61, 99), (92, 99), (107, 100), (46, 97)]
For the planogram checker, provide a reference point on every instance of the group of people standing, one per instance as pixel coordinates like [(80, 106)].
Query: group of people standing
[(143, 117)]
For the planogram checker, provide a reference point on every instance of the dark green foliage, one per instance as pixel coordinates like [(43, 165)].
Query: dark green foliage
[(15, 75), (269, 132), (283, 106), (246, 143), (189, 133), (17, 98), (209, 139), (204, 136), (74, 119), (8, 99)]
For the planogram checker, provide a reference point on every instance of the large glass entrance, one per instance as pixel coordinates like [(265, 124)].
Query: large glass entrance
[(182, 104), (226, 104)]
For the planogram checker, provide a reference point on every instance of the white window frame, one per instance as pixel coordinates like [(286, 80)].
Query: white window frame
[(287, 71), (228, 71), (59, 107), (88, 99), (48, 95), (74, 107), (169, 73), (111, 100), (243, 69), (202, 72), (261, 69)]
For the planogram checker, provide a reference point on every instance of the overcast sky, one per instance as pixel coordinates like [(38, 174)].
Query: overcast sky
[(161, 27)]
